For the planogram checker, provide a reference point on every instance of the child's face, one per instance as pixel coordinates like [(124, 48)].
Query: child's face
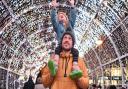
[(63, 17)]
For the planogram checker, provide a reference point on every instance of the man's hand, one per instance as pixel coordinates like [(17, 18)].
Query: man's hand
[(76, 74), (52, 67), (75, 66)]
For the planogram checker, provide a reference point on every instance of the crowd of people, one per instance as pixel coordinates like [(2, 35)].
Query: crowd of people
[(38, 84), (98, 86)]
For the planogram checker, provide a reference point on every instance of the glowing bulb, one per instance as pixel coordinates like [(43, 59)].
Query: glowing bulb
[(99, 42)]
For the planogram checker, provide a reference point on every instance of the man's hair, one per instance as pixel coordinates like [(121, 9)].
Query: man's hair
[(71, 34)]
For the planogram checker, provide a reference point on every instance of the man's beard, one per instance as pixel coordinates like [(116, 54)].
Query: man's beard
[(66, 49)]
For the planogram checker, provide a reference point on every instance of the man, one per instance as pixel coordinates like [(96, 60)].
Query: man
[(62, 79)]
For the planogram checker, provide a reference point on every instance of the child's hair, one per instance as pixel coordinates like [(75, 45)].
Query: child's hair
[(63, 9)]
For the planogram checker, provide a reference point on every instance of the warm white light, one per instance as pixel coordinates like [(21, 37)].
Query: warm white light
[(101, 1), (99, 42), (105, 3), (21, 78)]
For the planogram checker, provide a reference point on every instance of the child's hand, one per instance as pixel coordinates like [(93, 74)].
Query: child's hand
[(54, 3), (72, 2)]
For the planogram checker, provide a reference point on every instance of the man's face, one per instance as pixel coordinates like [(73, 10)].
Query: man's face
[(67, 42)]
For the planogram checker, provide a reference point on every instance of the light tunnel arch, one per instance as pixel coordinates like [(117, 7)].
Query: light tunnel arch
[(119, 57)]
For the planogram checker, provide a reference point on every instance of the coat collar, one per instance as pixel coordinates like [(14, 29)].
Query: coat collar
[(62, 54)]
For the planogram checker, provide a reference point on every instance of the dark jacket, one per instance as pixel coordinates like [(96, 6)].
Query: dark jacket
[(29, 84)]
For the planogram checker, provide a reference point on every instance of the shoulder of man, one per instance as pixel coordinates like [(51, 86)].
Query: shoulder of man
[(80, 59)]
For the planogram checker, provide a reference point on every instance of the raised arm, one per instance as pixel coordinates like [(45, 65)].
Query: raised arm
[(72, 13), (54, 18)]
